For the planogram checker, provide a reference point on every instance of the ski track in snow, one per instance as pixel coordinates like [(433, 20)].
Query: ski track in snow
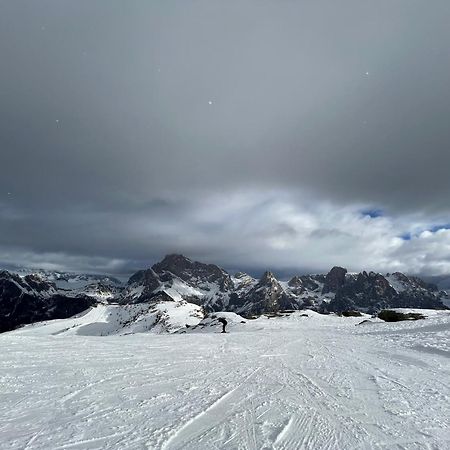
[(288, 383)]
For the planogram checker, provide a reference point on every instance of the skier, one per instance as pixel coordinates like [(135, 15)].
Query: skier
[(224, 322)]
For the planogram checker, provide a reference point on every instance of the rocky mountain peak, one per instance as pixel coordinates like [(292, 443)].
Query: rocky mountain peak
[(296, 286), (194, 272), (5, 275), (401, 277), (375, 283), (38, 283), (267, 278), (240, 275), (147, 278), (295, 282), (174, 263), (334, 280), (181, 279), (31, 299), (412, 282)]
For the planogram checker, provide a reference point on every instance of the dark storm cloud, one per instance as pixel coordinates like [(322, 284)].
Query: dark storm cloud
[(122, 123)]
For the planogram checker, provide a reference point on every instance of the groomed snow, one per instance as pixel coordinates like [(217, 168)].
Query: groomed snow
[(316, 382)]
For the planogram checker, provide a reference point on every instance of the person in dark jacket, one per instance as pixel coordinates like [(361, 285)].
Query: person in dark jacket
[(223, 322)]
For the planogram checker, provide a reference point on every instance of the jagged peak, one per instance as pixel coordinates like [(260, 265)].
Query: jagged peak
[(334, 279), (5, 274), (36, 277), (371, 274), (295, 281), (267, 278), (175, 258), (337, 269), (400, 276), (143, 275), (176, 263), (189, 270), (240, 275)]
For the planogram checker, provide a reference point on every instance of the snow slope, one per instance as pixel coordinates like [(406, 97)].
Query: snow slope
[(104, 320), (292, 382)]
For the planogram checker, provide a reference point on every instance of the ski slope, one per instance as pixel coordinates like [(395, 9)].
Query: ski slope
[(316, 382)]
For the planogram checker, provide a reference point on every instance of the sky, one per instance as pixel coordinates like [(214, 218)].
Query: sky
[(284, 135)]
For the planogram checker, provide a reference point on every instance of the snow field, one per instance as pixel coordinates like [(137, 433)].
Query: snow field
[(317, 382)]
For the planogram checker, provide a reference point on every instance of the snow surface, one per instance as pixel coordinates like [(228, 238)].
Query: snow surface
[(104, 320), (179, 289), (291, 382)]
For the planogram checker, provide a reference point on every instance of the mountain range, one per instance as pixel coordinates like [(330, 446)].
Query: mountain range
[(30, 296)]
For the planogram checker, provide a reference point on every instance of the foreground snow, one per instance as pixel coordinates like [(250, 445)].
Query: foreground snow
[(316, 382)]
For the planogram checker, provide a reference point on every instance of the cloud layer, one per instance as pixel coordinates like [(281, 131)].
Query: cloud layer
[(252, 134)]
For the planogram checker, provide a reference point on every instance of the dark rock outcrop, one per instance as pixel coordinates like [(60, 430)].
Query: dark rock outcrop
[(28, 300), (296, 285), (369, 291), (312, 282), (141, 287), (206, 285), (267, 296), (194, 272), (372, 292), (334, 280)]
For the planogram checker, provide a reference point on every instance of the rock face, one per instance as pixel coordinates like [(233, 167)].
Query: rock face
[(366, 291), (181, 278), (141, 287), (334, 280), (30, 299), (372, 292), (296, 284), (265, 296), (194, 272)]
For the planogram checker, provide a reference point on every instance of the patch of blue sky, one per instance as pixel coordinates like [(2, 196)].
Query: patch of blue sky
[(373, 213), (434, 228)]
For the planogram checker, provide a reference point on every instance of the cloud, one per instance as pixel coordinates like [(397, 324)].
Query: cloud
[(251, 230), (322, 114), (427, 253)]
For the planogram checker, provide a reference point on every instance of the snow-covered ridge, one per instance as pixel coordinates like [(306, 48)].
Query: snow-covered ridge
[(100, 287), (69, 279), (105, 320)]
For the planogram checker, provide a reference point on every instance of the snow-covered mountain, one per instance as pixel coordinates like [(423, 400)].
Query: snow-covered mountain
[(100, 287), (31, 298), (179, 280), (372, 291), (177, 277), (69, 280)]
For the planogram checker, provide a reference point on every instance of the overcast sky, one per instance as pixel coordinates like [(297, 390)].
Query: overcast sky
[(290, 135)]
